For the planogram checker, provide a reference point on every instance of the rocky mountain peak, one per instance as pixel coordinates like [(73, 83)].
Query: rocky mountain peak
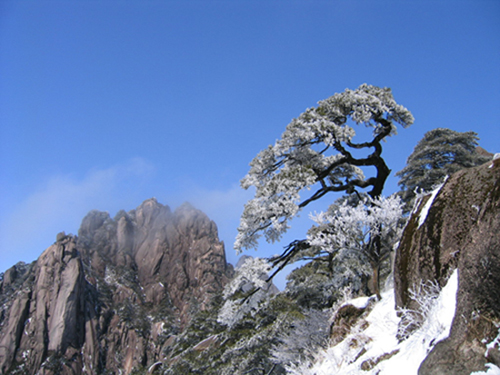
[(109, 298)]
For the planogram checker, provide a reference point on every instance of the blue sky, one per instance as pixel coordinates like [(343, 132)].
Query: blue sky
[(104, 104)]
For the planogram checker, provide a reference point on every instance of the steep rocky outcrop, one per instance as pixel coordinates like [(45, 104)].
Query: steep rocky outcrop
[(461, 230), (45, 313), (112, 298), (175, 254)]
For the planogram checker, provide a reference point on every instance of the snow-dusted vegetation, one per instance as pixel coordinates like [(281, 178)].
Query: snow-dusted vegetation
[(373, 347), (348, 250), (440, 153), (250, 277), (315, 153)]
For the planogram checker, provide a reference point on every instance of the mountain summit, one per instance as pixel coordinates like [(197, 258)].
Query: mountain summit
[(111, 298)]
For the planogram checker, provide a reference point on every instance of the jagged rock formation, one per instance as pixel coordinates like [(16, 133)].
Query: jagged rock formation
[(111, 299), (461, 230)]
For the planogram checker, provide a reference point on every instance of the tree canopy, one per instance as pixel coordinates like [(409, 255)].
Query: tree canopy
[(441, 152), (315, 153)]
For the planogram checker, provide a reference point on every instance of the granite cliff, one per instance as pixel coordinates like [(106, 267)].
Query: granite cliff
[(460, 230), (112, 298)]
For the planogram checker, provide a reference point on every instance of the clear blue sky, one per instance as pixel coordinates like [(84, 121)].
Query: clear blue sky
[(104, 104)]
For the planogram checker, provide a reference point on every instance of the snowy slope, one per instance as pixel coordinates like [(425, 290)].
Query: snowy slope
[(375, 349)]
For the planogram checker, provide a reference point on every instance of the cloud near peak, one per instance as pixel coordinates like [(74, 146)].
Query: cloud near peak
[(61, 203)]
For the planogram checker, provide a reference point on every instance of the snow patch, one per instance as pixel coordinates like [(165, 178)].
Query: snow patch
[(379, 340), (360, 302), (492, 370), (494, 343), (428, 204), (495, 157)]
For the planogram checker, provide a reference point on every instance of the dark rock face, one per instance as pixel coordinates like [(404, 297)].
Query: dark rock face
[(109, 299), (461, 230), (345, 318)]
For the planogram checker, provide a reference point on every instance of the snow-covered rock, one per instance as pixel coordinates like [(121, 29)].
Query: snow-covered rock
[(373, 347)]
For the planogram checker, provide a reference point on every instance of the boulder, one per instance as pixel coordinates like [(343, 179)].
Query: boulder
[(460, 230)]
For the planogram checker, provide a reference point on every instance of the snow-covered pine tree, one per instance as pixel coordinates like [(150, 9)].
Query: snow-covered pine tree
[(317, 152), (441, 152)]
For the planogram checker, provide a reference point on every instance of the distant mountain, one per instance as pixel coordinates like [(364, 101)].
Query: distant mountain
[(110, 299)]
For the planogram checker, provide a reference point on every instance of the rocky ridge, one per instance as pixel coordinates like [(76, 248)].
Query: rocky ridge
[(111, 299)]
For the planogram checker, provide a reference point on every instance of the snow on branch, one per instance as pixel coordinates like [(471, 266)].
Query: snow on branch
[(346, 227), (313, 154), (246, 291)]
